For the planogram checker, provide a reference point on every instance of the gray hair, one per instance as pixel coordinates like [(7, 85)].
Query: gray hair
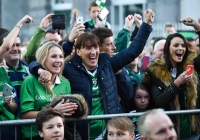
[(142, 128), (158, 43)]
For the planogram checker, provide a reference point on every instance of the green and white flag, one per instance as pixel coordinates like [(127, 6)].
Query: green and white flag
[(101, 3)]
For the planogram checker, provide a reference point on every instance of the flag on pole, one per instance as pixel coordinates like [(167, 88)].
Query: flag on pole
[(100, 3)]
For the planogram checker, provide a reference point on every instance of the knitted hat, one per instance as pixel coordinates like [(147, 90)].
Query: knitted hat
[(82, 109)]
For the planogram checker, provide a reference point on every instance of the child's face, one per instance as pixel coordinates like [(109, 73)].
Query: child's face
[(53, 129), (94, 11), (141, 99), (116, 134)]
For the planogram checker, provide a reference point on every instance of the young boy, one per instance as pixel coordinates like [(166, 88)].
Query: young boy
[(50, 124), (94, 10), (120, 128)]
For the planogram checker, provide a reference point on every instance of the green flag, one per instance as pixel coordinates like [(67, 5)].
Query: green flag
[(101, 3)]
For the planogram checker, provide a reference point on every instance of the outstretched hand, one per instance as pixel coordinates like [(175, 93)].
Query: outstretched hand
[(191, 22), (45, 23), (149, 16), (129, 20)]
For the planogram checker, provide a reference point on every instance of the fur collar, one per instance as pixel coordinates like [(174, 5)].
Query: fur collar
[(159, 70)]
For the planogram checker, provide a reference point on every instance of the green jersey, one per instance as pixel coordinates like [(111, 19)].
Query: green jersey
[(96, 126), (34, 95), (5, 114)]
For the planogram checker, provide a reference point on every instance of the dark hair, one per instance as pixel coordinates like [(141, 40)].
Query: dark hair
[(144, 87), (102, 33), (50, 30), (3, 33), (45, 114), (93, 4), (167, 53), (86, 39)]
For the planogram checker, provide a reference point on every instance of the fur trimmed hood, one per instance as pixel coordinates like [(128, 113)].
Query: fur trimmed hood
[(80, 112), (159, 70)]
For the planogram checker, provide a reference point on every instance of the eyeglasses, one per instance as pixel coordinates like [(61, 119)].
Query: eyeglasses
[(17, 45)]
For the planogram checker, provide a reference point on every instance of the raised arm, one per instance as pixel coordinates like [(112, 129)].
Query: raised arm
[(123, 36), (8, 41), (75, 32), (37, 38), (127, 55)]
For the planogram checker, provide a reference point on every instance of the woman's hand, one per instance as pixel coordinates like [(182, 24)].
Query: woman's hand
[(66, 107), (149, 16), (183, 78)]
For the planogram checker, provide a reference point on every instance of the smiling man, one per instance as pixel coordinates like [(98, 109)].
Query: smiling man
[(17, 69)]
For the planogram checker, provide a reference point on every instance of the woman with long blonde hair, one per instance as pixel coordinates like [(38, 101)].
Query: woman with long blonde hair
[(34, 95)]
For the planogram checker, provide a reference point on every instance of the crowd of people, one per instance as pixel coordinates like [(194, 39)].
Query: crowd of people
[(112, 76)]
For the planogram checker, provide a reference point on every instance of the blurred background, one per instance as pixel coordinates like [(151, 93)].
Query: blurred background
[(166, 11)]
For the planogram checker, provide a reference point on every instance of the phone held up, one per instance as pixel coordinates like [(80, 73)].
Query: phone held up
[(191, 69), (79, 20), (7, 90), (103, 14), (58, 22)]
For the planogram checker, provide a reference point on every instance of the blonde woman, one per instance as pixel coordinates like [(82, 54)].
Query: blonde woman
[(34, 95)]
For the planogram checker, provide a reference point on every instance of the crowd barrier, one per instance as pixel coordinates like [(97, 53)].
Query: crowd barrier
[(16, 123)]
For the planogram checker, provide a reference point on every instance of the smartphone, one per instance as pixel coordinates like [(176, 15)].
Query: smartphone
[(79, 20), (145, 62), (58, 22), (103, 14), (7, 90), (191, 67)]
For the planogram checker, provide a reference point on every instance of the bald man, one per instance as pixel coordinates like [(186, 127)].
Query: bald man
[(156, 125), (159, 48)]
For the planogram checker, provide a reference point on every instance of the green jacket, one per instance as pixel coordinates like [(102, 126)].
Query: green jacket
[(34, 44), (122, 40)]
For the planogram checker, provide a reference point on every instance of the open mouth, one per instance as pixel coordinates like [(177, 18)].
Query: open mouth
[(179, 54), (92, 59)]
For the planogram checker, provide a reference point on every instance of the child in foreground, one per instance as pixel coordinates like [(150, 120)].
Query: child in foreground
[(50, 124), (120, 128)]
